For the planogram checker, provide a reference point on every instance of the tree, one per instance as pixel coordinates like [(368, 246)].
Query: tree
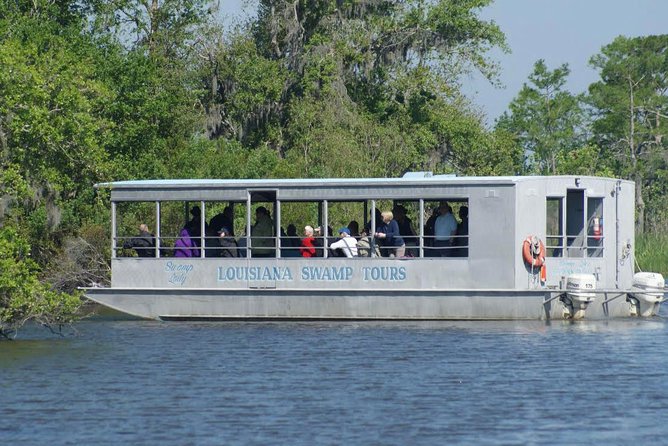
[(546, 120), (380, 73), (630, 108), (22, 296)]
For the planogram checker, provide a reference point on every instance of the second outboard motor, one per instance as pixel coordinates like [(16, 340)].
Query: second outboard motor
[(647, 294)]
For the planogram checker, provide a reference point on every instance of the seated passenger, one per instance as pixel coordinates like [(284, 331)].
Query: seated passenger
[(364, 246), (228, 246), (346, 244), (143, 244), (211, 243), (354, 228), (290, 243), (223, 220), (307, 248), (184, 246)]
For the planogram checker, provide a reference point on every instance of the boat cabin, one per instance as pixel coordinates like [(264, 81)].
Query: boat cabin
[(582, 225)]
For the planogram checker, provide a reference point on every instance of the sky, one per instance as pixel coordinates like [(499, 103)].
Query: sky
[(558, 31)]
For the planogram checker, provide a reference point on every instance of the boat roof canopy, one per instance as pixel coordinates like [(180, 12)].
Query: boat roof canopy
[(411, 185)]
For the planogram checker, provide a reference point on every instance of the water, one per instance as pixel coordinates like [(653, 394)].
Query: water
[(483, 383)]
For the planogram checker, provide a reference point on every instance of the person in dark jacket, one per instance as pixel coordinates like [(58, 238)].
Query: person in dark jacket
[(388, 233), (462, 239), (223, 220), (194, 226), (211, 243), (228, 246), (143, 244)]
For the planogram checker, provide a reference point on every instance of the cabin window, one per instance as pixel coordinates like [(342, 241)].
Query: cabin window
[(457, 244), (555, 227), (295, 217), (594, 227), (583, 223), (203, 220), (128, 241)]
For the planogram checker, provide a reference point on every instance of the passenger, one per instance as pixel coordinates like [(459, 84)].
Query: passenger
[(194, 225), (228, 246), (143, 244), (429, 234), (391, 240), (290, 243), (354, 228), (262, 234), (444, 228), (462, 239), (379, 222), (224, 219), (405, 229), (184, 246), (346, 244), (364, 246), (307, 248), (320, 238), (211, 243)]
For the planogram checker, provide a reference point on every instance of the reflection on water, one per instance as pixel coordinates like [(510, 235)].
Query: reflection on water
[(147, 382)]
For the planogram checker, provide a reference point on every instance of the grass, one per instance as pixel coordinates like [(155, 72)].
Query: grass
[(652, 253)]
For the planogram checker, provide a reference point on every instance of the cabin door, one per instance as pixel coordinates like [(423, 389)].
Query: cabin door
[(575, 223)]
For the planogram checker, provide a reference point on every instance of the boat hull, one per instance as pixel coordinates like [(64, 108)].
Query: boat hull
[(286, 304)]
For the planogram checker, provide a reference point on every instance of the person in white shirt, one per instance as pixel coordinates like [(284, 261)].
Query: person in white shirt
[(444, 228), (346, 243)]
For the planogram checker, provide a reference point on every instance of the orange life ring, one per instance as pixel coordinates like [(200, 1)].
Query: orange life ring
[(533, 251)]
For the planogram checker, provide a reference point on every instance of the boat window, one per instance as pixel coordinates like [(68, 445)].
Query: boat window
[(584, 237), (225, 216), (295, 216), (555, 227), (282, 230), (129, 216), (595, 227), (456, 245)]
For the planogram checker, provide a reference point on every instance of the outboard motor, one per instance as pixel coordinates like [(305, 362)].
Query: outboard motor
[(647, 294), (579, 294)]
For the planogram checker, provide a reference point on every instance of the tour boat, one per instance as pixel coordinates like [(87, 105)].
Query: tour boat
[(535, 247)]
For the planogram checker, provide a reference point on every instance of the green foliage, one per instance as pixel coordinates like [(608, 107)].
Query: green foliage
[(93, 91), (546, 120), (630, 106), (586, 160), (22, 296)]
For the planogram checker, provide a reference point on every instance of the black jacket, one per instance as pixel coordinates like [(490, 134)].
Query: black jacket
[(143, 244)]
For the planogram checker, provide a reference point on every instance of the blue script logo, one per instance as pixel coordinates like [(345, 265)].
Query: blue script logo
[(178, 272)]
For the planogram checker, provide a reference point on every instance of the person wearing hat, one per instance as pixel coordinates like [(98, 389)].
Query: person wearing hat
[(346, 244), (228, 246)]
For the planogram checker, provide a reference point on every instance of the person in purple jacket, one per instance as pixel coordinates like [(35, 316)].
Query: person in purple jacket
[(389, 235), (184, 246)]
